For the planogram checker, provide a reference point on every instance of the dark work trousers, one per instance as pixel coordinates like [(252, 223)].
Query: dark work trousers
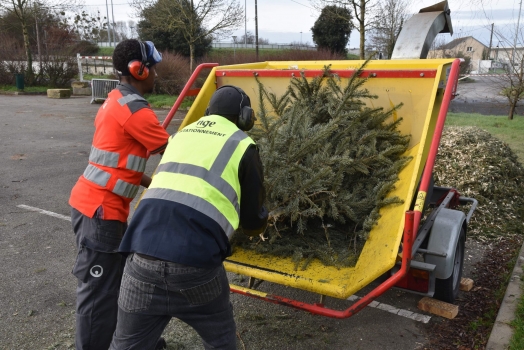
[(98, 269), (154, 291)]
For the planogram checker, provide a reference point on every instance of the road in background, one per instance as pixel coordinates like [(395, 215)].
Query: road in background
[(481, 94)]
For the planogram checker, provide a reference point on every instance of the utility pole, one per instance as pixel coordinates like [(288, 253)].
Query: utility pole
[(516, 34), (490, 41), (38, 39), (245, 24), (256, 29), (234, 46), (108, 26), (113, 17)]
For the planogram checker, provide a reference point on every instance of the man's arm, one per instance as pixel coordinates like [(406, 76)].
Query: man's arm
[(253, 214), (144, 127)]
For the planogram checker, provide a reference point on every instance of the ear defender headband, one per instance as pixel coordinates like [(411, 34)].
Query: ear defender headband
[(138, 69), (246, 116)]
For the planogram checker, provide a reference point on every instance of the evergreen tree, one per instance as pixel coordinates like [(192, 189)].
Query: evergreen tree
[(329, 162), (332, 29)]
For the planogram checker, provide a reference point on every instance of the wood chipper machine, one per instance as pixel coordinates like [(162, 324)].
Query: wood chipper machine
[(425, 87)]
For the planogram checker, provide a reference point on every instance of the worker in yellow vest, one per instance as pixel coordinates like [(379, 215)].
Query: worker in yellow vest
[(208, 183)]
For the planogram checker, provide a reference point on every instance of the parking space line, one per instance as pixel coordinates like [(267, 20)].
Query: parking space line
[(45, 212), (374, 304), (391, 309)]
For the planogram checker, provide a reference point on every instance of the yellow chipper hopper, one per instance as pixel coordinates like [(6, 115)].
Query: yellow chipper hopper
[(425, 87)]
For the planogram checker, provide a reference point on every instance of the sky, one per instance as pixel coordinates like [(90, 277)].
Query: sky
[(286, 21)]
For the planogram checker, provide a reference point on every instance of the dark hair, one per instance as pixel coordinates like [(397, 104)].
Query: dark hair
[(126, 51)]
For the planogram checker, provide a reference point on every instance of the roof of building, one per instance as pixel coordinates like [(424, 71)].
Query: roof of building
[(454, 43)]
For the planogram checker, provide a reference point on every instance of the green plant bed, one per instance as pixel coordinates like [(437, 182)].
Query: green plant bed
[(26, 89), (167, 101), (105, 51)]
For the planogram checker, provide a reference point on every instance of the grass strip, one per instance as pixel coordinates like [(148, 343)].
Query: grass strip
[(167, 101), (10, 88), (517, 341)]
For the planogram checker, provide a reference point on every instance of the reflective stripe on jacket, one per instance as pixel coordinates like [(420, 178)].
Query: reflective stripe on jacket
[(200, 170)]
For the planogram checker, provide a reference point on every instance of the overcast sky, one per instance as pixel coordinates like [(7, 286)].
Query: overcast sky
[(285, 21)]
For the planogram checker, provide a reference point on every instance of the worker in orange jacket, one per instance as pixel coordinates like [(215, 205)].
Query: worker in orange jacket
[(126, 128)]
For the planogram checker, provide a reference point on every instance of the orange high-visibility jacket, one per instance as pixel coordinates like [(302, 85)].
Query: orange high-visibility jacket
[(125, 129)]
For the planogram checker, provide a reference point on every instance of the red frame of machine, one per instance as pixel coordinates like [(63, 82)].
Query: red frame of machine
[(412, 218)]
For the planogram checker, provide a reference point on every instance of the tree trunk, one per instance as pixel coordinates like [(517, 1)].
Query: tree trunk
[(191, 56), (29, 56), (512, 109), (362, 29), (362, 42)]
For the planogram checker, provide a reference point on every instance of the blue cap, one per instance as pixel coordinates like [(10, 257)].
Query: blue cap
[(153, 56)]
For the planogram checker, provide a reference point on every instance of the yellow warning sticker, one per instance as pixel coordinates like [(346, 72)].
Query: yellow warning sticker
[(421, 199)]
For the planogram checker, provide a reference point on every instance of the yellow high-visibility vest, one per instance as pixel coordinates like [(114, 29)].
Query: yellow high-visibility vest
[(200, 169)]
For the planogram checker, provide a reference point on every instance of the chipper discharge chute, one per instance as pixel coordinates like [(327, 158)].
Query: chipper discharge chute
[(425, 88)]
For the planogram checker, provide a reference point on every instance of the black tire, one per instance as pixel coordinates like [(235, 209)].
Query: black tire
[(447, 289)]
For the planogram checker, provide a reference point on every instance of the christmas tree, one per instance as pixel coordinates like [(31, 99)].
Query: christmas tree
[(329, 163)]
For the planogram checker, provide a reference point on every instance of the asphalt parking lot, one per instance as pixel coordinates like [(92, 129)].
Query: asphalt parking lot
[(45, 145)]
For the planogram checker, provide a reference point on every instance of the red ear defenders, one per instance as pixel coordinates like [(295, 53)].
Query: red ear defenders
[(137, 68), (246, 116)]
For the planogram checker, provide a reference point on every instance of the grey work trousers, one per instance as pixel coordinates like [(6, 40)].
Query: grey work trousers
[(154, 291), (98, 269)]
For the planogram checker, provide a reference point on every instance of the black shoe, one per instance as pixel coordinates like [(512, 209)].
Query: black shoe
[(161, 344)]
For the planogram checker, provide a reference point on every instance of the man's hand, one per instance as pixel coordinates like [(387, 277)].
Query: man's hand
[(145, 181)]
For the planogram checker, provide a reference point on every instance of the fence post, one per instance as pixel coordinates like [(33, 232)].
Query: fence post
[(79, 67)]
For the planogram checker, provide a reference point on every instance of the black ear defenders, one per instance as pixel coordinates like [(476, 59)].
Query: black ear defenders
[(246, 116), (138, 69)]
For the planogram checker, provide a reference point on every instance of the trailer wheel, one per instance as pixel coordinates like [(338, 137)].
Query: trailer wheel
[(447, 289)]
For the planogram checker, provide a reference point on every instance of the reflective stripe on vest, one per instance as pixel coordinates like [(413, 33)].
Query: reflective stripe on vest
[(100, 177), (227, 151), (136, 163), (96, 175), (194, 202), (125, 189), (129, 98), (184, 178), (106, 158), (213, 179)]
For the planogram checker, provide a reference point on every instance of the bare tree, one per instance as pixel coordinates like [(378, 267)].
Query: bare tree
[(88, 26), (508, 60), (195, 19), (25, 10), (511, 82), (364, 16), (388, 26)]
